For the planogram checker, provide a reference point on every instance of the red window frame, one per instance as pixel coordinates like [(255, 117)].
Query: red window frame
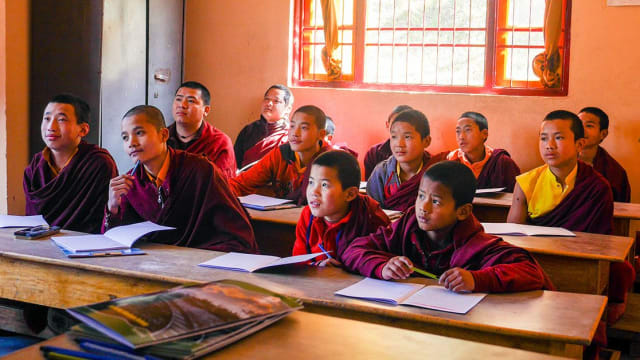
[(494, 58)]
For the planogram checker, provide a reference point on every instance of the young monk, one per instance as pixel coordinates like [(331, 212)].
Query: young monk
[(394, 182), (596, 129), (337, 213), (284, 171), (441, 235), (190, 132), (66, 181), (493, 168), (380, 152), (175, 188), (566, 192), (328, 138), (270, 131)]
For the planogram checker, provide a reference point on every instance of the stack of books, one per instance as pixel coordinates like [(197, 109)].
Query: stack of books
[(181, 323)]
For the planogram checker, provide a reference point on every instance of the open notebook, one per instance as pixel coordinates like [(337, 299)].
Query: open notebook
[(120, 237), (22, 221), (429, 297), (251, 262), (261, 202), (524, 230)]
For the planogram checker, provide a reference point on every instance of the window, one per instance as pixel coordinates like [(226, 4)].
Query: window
[(461, 46)]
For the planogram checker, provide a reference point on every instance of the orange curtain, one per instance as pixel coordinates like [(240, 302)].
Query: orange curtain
[(547, 65), (331, 64)]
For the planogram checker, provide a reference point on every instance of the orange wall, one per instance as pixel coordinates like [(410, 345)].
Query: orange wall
[(3, 107), (239, 48)]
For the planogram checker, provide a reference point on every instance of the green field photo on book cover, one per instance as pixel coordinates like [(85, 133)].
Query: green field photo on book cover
[(181, 312)]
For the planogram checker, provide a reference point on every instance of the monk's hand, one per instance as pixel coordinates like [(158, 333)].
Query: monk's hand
[(118, 187), (329, 263), (398, 267), (458, 280)]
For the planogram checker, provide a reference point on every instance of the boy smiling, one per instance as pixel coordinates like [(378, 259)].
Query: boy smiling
[(441, 235), (337, 213)]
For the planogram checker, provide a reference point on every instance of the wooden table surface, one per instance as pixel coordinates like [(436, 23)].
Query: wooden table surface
[(543, 321), (575, 264), (304, 335)]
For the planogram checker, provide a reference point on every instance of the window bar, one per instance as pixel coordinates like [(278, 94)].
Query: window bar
[(529, 43), (313, 47), (513, 37), (453, 42), (378, 49), (406, 69), (393, 41), (438, 45), (424, 13), (341, 43)]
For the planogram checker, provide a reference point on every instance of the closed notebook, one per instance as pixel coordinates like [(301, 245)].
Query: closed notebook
[(397, 293), (183, 312), (261, 202), (251, 262), (22, 221), (489, 190), (120, 237), (524, 230)]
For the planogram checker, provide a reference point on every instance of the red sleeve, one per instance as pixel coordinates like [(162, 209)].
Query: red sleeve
[(368, 254), (226, 159), (299, 247), (258, 176)]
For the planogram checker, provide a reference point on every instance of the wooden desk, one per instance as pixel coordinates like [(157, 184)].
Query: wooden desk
[(312, 336), (579, 264), (542, 321), (495, 208)]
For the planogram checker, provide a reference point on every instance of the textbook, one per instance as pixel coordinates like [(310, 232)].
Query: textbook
[(120, 237), (183, 312), (396, 293), (22, 221), (524, 230), (261, 202), (393, 214), (251, 262)]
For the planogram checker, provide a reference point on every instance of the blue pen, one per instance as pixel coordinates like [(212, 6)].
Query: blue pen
[(135, 167), (324, 251), (73, 353), (111, 349)]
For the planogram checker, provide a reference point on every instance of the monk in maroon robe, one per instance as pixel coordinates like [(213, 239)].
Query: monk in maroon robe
[(499, 171), (270, 131), (67, 182), (380, 152), (596, 129), (175, 188), (440, 234), (190, 132)]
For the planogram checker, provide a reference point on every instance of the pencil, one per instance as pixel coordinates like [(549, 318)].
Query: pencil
[(424, 273)]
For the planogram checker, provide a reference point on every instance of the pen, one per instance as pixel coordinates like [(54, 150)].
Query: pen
[(135, 167), (324, 251), (424, 273), (108, 349), (53, 352)]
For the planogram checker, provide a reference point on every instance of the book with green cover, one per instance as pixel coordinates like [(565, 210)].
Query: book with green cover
[(183, 312)]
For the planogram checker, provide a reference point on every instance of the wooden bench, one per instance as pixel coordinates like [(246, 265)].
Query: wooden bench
[(627, 328)]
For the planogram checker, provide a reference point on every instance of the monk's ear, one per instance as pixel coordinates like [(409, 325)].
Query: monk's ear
[(207, 109), (603, 134), (426, 141), (164, 134), (351, 193), (321, 134), (464, 211), (485, 135), (84, 129), (580, 145)]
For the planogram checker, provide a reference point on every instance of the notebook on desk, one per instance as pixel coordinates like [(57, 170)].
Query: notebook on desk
[(252, 262), (22, 221), (524, 230), (261, 202)]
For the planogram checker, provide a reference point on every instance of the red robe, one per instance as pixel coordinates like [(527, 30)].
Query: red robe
[(614, 173), (75, 199), (211, 143), (376, 154), (496, 265), (196, 201), (258, 138), (499, 171), (365, 216)]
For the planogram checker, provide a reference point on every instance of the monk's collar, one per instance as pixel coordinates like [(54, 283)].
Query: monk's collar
[(277, 125), (195, 136), (47, 154), (162, 174), (399, 169)]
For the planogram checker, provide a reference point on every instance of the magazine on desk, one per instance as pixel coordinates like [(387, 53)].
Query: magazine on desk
[(183, 312), (261, 202)]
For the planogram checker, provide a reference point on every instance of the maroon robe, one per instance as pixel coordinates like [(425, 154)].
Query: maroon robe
[(496, 265), (76, 198), (258, 138), (587, 208), (614, 173), (211, 143), (406, 195), (376, 154), (499, 171), (299, 195), (197, 202)]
